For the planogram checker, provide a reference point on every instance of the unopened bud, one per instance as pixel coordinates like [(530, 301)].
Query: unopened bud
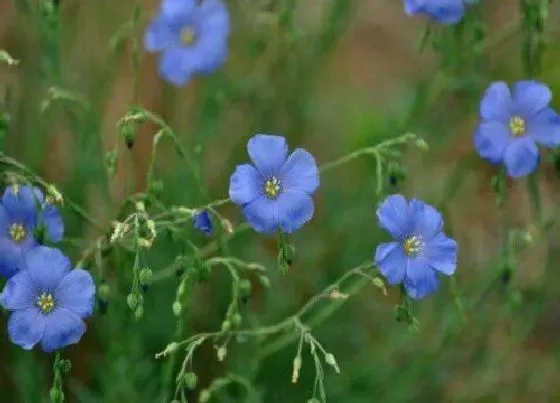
[(103, 292), (190, 379), (296, 369), (227, 226), (235, 320), (132, 301), (145, 276), (329, 359), (139, 312), (222, 352), (421, 144), (177, 308), (140, 206), (204, 396)]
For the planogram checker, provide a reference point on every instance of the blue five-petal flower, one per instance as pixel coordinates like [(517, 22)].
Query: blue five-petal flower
[(513, 123), (275, 192), (22, 210), (191, 36), (420, 249), (442, 11), (48, 301)]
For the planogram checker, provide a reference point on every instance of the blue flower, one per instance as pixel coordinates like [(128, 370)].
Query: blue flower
[(442, 11), (275, 193), (48, 301), (22, 210), (203, 222), (420, 249), (192, 37), (512, 124)]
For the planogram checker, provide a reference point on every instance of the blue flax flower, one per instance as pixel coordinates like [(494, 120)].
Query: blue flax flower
[(513, 123), (48, 301), (203, 222), (442, 11), (22, 210), (420, 249), (276, 192), (191, 36)]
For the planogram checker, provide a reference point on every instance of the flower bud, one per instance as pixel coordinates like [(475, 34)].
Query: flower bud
[(145, 276), (204, 396), (177, 308), (190, 379)]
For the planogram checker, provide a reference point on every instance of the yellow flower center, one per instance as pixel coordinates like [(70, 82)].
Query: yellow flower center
[(517, 126), (45, 303), (272, 188), (413, 245), (187, 36), (17, 232)]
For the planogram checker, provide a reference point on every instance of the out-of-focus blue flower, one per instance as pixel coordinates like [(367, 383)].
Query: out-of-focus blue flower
[(192, 37), (48, 301), (420, 249), (442, 11), (22, 210), (513, 123), (203, 222), (275, 192)]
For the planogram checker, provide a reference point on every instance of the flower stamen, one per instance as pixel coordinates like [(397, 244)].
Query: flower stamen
[(45, 303), (272, 188), (17, 232), (517, 126), (187, 36), (413, 245)]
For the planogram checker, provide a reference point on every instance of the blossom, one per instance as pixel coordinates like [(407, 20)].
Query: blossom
[(420, 249), (192, 38), (48, 301), (203, 222), (442, 11), (513, 123), (22, 210), (275, 192)]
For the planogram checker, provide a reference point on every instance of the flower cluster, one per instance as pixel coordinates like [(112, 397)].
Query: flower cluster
[(48, 300)]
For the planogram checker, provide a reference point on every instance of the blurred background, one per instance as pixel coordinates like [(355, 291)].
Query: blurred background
[(342, 75)]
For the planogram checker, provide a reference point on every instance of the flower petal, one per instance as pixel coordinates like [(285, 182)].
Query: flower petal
[(394, 217), (46, 267), (178, 8), (391, 261), (427, 221), (445, 11), (62, 328), (76, 293), (160, 34), (26, 327), (420, 279), (21, 203), (495, 105), (245, 185), (441, 254), (530, 97), (52, 220), (294, 209), (268, 153), (178, 64), (545, 128), (18, 293), (214, 17), (521, 157), (413, 7), (262, 215), (300, 172), (491, 140), (11, 255)]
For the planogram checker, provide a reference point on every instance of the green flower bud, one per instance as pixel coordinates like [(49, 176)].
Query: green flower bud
[(235, 320), (177, 308), (204, 396), (226, 325), (265, 282), (139, 312), (132, 301), (190, 379), (244, 288), (56, 395), (103, 292), (145, 276)]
